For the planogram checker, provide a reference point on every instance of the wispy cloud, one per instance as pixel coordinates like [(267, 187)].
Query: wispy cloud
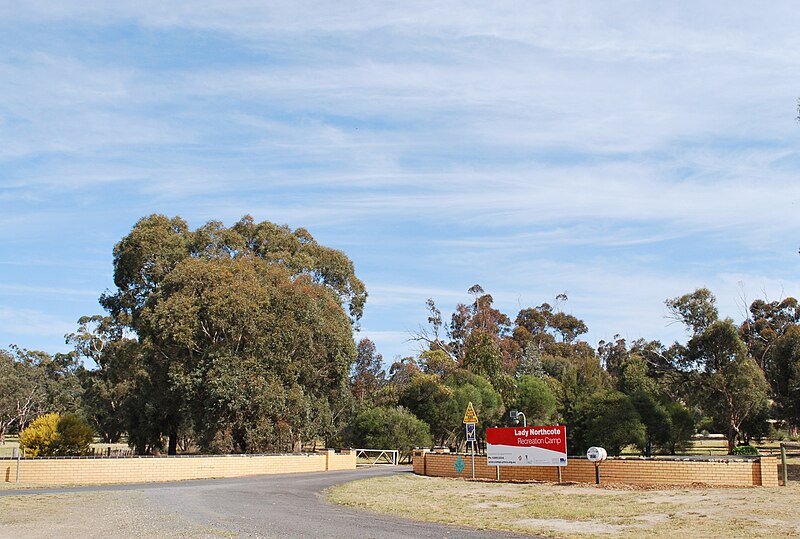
[(623, 153), (29, 326), (44, 290)]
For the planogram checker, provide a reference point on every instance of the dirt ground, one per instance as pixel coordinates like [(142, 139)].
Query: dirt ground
[(584, 511), (100, 515), (283, 506), (569, 511)]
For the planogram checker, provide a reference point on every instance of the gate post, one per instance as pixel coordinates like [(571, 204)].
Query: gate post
[(783, 464)]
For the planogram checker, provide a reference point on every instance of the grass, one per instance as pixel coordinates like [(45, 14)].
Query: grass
[(7, 448), (718, 447), (581, 511)]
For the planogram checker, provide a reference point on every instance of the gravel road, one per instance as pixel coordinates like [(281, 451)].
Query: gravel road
[(273, 506)]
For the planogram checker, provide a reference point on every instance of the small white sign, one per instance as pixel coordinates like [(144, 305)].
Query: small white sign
[(470, 431), (596, 454)]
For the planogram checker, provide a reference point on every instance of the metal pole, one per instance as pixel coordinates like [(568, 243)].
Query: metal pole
[(559, 474), (16, 450), (597, 473), (473, 459), (783, 464)]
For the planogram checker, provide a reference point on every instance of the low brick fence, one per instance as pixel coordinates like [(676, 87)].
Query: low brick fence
[(97, 470), (717, 471)]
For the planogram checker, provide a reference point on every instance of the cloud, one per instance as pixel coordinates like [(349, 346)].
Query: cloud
[(21, 290), (29, 326), (614, 27), (624, 154), (381, 295)]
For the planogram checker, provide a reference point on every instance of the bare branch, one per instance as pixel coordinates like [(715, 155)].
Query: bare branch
[(434, 343)]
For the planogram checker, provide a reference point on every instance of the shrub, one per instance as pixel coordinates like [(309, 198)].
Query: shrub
[(536, 399), (39, 437), (682, 428), (607, 419), (388, 428), (73, 436), (656, 420), (744, 450), (54, 434)]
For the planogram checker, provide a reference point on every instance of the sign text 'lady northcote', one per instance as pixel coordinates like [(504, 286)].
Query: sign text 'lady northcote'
[(527, 446)]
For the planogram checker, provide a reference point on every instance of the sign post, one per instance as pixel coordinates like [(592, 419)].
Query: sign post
[(596, 455), (470, 420), (17, 454)]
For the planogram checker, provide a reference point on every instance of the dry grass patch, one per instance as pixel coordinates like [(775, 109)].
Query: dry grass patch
[(35, 486), (581, 511)]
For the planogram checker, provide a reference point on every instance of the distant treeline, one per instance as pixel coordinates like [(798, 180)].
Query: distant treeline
[(240, 339)]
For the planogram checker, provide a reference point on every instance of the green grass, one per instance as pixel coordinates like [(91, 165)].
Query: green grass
[(7, 449), (718, 447)]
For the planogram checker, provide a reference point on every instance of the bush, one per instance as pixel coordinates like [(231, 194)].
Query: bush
[(656, 420), (39, 437), (745, 450), (54, 434), (73, 436), (388, 428), (536, 400), (607, 419), (682, 428)]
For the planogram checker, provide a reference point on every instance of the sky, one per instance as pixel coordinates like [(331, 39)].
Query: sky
[(622, 153)]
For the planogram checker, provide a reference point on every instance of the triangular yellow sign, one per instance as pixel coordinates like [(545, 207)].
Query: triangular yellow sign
[(469, 415)]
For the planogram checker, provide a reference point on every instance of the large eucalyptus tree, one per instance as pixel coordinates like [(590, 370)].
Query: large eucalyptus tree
[(245, 332)]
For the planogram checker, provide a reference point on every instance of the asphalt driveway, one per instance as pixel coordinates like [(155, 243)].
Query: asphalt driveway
[(271, 506)]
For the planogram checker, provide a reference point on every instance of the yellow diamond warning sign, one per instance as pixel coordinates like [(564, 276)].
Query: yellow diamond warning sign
[(469, 415)]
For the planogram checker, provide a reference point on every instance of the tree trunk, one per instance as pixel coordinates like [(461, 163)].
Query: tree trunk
[(173, 442), (731, 441), (733, 427), (297, 445)]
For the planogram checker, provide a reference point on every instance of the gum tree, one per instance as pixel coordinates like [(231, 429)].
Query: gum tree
[(726, 380), (245, 332)]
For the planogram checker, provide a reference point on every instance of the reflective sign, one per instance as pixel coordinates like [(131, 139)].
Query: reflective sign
[(470, 432), (469, 415)]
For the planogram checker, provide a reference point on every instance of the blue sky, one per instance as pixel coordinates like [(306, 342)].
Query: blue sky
[(622, 153)]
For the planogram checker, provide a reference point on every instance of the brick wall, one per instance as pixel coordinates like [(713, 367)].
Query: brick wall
[(92, 470), (727, 471), (346, 460)]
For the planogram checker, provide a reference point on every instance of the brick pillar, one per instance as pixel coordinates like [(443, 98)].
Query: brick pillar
[(769, 471), (328, 454), (419, 461)]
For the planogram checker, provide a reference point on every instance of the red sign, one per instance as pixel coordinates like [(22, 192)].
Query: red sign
[(527, 446)]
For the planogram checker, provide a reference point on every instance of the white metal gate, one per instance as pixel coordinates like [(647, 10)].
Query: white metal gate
[(378, 456)]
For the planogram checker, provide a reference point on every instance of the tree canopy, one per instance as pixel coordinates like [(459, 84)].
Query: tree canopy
[(240, 339), (242, 336)]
